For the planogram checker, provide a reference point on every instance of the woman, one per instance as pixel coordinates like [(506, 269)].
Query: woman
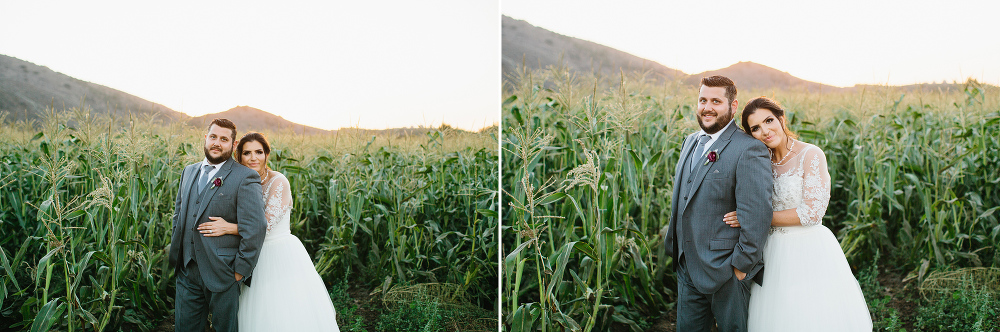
[(287, 293), (808, 285)]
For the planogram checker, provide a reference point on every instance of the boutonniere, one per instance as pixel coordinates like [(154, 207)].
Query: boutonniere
[(711, 157), (217, 182)]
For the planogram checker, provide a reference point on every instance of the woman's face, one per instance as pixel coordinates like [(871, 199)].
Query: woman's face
[(253, 156), (766, 127)]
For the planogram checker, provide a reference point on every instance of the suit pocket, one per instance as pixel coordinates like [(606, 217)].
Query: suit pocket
[(225, 251), (222, 197), (721, 244), (717, 174)]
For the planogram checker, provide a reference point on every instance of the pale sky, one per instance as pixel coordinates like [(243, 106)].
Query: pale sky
[(840, 43), (326, 64)]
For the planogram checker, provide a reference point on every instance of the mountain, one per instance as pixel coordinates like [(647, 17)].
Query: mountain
[(540, 48), (248, 119), (753, 76), (27, 89)]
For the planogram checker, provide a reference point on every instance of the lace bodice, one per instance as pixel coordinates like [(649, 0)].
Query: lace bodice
[(803, 184), (277, 204)]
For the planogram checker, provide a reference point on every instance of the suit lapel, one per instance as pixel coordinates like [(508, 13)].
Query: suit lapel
[(209, 193), (701, 170), (186, 183), (189, 172), (685, 154), (679, 173)]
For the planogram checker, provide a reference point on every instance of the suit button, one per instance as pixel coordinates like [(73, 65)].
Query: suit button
[(685, 198), (689, 181)]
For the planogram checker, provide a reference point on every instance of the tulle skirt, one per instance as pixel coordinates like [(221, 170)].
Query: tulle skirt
[(286, 293), (808, 285)]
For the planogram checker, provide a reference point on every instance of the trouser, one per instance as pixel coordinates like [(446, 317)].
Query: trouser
[(728, 306), (193, 301)]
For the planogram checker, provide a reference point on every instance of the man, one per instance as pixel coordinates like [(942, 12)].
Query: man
[(209, 269), (721, 169)]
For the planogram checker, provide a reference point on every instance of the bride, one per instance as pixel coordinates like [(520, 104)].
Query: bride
[(287, 293), (808, 285)]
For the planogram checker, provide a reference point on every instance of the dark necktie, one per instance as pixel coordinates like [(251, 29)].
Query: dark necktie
[(696, 157), (204, 177)]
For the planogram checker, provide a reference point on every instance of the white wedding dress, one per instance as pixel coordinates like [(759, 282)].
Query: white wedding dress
[(286, 293), (808, 285)]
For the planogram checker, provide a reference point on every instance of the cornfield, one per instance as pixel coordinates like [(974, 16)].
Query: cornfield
[(587, 171), (87, 202)]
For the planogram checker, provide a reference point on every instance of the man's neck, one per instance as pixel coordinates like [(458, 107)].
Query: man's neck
[(716, 134), (207, 162)]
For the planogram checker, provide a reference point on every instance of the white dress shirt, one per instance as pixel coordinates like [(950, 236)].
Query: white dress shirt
[(211, 172), (714, 137)]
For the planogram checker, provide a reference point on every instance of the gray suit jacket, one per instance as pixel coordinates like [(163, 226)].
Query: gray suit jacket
[(239, 200), (739, 180)]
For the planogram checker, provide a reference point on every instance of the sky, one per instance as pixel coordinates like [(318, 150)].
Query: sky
[(326, 64), (840, 43)]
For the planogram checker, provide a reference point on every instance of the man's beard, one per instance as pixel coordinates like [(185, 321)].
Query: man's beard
[(223, 157), (721, 120)]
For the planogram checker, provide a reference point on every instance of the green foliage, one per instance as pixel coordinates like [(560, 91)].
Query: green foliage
[(344, 305), (432, 316), (588, 166), (86, 210), (965, 310), (417, 316), (884, 317)]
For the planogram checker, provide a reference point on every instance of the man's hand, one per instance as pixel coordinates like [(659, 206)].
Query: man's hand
[(739, 275), (239, 277)]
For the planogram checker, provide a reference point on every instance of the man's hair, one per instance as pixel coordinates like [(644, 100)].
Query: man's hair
[(763, 102), (224, 123), (718, 81)]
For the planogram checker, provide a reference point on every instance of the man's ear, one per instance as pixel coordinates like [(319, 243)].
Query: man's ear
[(735, 106)]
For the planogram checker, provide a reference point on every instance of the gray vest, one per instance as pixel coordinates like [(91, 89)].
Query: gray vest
[(190, 233), (687, 176)]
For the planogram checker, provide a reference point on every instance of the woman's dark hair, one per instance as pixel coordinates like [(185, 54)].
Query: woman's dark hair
[(253, 137), (769, 104)]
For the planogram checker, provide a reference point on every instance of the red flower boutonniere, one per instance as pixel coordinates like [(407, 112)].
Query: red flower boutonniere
[(217, 182), (711, 157)]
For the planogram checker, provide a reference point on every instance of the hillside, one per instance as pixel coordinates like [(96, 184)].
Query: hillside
[(27, 89), (251, 119), (540, 48), (753, 76)]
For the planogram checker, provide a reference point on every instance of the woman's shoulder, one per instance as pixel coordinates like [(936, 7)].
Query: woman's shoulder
[(277, 177), (809, 149), (811, 152), (276, 184)]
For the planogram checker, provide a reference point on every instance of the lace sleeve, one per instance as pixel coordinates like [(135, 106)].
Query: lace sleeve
[(815, 188), (277, 200)]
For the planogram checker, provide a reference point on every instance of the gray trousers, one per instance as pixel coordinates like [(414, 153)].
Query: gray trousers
[(728, 306), (193, 301)]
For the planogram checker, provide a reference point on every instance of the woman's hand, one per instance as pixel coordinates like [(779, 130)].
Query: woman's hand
[(217, 227), (730, 219)]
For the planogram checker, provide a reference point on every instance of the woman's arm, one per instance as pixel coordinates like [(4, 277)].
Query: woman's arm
[(815, 196), (782, 218), (217, 227)]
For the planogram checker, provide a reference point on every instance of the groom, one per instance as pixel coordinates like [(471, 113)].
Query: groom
[(721, 169), (209, 269)]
